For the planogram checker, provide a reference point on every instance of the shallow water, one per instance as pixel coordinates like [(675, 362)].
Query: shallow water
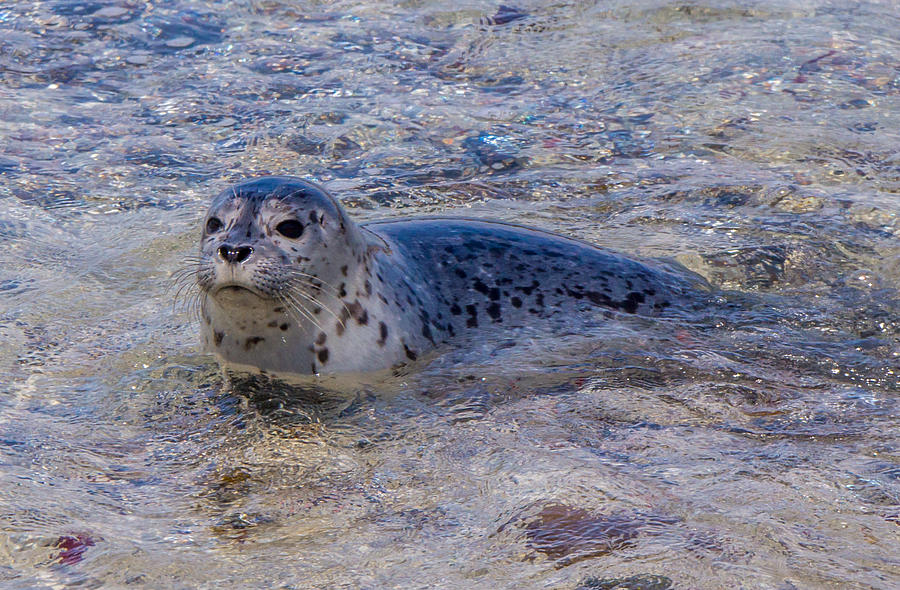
[(753, 142)]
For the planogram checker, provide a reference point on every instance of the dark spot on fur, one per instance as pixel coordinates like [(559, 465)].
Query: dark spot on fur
[(217, 337), (344, 268), (368, 287), (494, 294), (359, 313), (343, 290), (460, 273), (632, 300), (493, 310), (322, 355), (480, 286), (313, 217), (599, 298), (410, 354), (383, 332), (303, 259), (342, 322), (516, 302), (278, 310), (472, 321), (272, 324), (320, 339), (527, 290), (577, 292), (455, 309), (284, 327), (252, 341), (426, 332)]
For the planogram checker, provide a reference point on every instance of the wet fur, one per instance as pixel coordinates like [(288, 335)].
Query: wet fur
[(346, 298)]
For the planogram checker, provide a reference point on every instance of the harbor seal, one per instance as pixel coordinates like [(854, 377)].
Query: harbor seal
[(290, 284)]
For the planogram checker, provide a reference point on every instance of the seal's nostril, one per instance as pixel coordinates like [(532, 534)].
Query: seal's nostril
[(242, 253), (234, 255)]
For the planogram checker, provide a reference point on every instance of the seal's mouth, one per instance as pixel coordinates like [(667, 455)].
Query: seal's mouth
[(232, 289)]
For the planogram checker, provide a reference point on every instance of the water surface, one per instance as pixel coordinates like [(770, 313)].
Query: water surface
[(753, 142)]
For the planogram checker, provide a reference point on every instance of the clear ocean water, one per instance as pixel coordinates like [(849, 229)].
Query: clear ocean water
[(756, 143)]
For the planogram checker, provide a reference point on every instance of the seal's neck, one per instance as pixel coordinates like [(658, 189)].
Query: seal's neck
[(245, 330)]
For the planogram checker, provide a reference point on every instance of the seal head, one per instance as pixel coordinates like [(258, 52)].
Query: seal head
[(276, 258), (263, 235)]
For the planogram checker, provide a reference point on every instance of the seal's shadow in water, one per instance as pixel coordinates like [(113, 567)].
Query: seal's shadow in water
[(285, 404)]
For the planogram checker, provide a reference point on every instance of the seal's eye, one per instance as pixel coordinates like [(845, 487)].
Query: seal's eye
[(213, 224), (290, 228)]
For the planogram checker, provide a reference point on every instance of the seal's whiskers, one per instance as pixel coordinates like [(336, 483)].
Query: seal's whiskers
[(293, 304), (313, 279), (297, 289), (185, 281)]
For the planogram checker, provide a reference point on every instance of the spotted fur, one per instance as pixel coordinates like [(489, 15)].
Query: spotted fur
[(341, 297)]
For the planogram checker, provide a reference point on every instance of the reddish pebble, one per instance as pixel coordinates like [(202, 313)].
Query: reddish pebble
[(73, 547)]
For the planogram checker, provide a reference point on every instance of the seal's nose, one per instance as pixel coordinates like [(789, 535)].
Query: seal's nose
[(234, 254)]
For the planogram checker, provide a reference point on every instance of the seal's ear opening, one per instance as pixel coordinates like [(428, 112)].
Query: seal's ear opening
[(375, 243)]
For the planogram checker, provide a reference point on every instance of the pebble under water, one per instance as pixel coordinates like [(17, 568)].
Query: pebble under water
[(754, 444)]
